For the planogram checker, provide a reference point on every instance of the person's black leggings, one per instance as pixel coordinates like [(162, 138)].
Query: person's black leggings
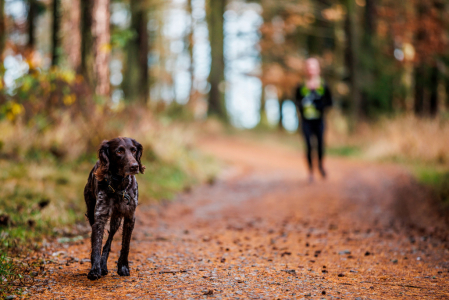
[(313, 128)]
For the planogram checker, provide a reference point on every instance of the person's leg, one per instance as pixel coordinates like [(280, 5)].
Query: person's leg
[(320, 141), (307, 132)]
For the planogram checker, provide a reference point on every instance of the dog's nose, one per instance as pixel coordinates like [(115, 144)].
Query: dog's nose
[(134, 167)]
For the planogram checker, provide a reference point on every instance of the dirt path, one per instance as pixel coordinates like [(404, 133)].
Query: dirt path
[(262, 232)]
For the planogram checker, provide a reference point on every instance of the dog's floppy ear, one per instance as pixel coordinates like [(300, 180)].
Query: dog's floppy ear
[(139, 155), (103, 156)]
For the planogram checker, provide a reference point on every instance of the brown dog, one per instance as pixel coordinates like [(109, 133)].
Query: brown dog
[(112, 192)]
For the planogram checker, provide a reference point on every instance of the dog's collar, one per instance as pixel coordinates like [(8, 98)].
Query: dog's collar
[(118, 178), (111, 190)]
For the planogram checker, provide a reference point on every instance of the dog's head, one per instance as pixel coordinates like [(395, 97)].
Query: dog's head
[(120, 156)]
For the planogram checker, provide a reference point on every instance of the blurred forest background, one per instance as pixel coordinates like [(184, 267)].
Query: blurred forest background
[(75, 72)]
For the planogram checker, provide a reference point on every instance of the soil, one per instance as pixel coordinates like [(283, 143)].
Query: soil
[(262, 231)]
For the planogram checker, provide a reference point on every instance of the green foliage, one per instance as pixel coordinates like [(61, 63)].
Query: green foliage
[(121, 37), (162, 181), (41, 95), (37, 196), (8, 272), (178, 112), (436, 179), (6, 267), (344, 151)]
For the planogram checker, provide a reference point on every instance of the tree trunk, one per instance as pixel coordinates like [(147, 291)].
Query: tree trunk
[(420, 69), (353, 59), (2, 28), (86, 7), (32, 13), (419, 89), (281, 115), (137, 85), (55, 33), (215, 18), (367, 68), (339, 53), (190, 42), (312, 45), (370, 21), (316, 44), (71, 34), (433, 101), (447, 92), (262, 112), (101, 37)]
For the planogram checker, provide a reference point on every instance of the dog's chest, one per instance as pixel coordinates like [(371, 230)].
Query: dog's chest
[(126, 206)]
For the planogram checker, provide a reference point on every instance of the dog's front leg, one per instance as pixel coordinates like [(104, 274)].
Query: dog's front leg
[(123, 265), (102, 213), (115, 225)]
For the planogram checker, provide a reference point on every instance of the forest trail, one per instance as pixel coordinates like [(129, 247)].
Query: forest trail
[(261, 231)]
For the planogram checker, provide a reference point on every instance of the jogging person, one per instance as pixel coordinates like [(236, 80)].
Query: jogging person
[(312, 99)]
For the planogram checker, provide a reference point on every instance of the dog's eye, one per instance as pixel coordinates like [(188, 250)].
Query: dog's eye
[(120, 151), (133, 150)]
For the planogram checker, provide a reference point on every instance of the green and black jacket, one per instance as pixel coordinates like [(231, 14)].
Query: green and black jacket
[(312, 103)]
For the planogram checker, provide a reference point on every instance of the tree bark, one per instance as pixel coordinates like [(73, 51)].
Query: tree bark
[(2, 28), (71, 34), (353, 59), (433, 101), (262, 112), (86, 7), (216, 10), (137, 85), (446, 84), (55, 32), (281, 115), (190, 42), (420, 69), (32, 13), (370, 19), (419, 89), (367, 69), (102, 37)]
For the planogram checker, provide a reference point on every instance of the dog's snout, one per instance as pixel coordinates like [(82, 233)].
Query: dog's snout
[(134, 167)]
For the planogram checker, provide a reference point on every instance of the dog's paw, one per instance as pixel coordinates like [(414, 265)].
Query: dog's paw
[(104, 266), (94, 274), (123, 270)]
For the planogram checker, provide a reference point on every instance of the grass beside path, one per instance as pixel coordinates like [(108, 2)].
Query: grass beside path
[(47, 198), (437, 179)]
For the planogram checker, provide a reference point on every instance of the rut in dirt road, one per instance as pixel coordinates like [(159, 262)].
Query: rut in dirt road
[(262, 232)]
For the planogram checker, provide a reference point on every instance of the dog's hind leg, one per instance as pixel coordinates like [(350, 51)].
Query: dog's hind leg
[(115, 225), (90, 199), (123, 265)]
